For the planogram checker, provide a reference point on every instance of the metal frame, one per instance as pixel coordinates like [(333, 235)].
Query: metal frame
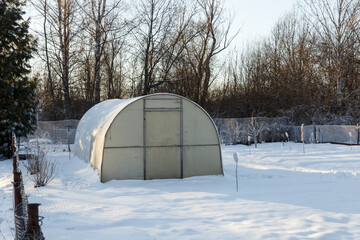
[(163, 110), (158, 98), (192, 145), (181, 139), (144, 136)]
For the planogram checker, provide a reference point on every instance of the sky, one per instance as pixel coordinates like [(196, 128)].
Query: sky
[(256, 18)]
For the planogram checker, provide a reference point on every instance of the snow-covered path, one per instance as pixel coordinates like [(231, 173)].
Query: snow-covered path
[(283, 194)]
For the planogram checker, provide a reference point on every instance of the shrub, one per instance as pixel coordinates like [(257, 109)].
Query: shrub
[(41, 168)]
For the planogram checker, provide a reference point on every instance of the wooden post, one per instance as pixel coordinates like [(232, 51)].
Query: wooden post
[(14, 150)]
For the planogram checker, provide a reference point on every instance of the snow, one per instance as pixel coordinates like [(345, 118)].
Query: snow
[(96, 121), (283, 194)]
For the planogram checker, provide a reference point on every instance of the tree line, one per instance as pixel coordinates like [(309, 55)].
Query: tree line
[(92, 50), (307, 69), (96, 50)]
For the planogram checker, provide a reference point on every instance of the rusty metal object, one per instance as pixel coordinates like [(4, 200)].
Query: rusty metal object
[(33, 227)]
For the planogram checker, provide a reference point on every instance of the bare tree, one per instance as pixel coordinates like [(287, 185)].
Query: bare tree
[(58, 34), (65, 16), (48, 64), (114, 66), (334, 21), (100, 20), (211, 38), (254, 128), (159, 35)]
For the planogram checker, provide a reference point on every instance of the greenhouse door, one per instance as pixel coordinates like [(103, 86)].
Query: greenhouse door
[(162, 138)]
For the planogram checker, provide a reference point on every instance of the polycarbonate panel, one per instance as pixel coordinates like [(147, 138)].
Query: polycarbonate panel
[(127, 127), (122, 163), (163, 104), (163, 162), (198, 127), (202, 160), (162, 128)]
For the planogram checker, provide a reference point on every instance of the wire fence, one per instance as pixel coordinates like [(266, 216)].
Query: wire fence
[(20, 212), (26, 215), (239, 130), (342, 134)]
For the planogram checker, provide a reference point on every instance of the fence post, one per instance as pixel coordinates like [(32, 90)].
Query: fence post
[(17, 190), (314, 133), (358, 130), (33, 227), (14, 150), (17, 175), (15, 168)]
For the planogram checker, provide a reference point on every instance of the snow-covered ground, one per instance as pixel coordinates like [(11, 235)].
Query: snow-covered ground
[(283, 194)]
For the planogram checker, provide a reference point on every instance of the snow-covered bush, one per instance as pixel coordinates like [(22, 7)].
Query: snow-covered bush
[(42, 169)]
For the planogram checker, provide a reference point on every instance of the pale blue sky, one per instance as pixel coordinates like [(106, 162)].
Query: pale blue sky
[(256, 18)]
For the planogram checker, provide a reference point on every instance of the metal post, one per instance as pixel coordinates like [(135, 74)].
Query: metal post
[(358, 130), (33, 227), (314, 131), (18, 208), (15, 167)]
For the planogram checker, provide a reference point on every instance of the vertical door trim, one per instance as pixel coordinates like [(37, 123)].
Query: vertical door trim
[(144, 136), (181, 139)]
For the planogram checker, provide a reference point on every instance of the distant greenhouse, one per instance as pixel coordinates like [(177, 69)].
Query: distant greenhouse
[(149, 137)]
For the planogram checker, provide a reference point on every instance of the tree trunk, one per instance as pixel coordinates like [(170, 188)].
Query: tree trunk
[(97, 61), (63, 24), (50, 81)]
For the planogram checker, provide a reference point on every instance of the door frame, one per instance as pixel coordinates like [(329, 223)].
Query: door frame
[(174, 109)]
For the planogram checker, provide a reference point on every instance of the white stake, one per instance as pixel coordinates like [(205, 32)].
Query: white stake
[(302, 137), (236, 159), (287, 137)]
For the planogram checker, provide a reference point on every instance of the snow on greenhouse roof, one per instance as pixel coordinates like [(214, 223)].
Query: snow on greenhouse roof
[(96, 121)]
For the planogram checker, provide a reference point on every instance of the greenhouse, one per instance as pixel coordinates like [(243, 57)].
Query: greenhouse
[(149, 137)]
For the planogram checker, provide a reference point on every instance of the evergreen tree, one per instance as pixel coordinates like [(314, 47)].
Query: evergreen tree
[(18, 101)]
